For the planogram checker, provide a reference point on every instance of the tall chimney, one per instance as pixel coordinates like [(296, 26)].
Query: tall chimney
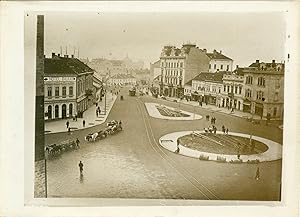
[(257, 61), (220, 52), (237, 66), (273, 61), (53, 55), (204, 50)]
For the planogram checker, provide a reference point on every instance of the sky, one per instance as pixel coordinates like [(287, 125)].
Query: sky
[(244, 37)]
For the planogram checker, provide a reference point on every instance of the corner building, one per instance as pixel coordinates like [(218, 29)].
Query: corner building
[(68, 87), (263, 89), (180, 65)]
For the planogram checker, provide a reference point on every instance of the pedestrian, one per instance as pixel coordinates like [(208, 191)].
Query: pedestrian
[(257, 175), (212, 120), (83, 123), (96, 112), (215, 120), (223, 129), (67, 123), (80, 167), (215, 129), (177, 143), (238, 153), (77, 143), (76, 117), (69, 130), (226, 130), (96, 104)]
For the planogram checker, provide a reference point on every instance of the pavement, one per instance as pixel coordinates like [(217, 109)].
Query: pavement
[(213, 108), (57, 126), (274, 151), (132, 163)]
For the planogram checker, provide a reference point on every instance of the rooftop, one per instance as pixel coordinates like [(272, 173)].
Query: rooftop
[(65, 65), (122, 76), (217, 55), (208, 76)]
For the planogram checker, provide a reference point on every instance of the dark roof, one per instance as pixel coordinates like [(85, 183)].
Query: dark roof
[(189, 82), (63, 65), (208, 76), (217, 55)]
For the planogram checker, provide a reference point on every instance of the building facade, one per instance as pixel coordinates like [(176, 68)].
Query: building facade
[(122, 79), (264, 89), (206, 88), (68, 87), (219, 62), (178, 66), (232, 91)]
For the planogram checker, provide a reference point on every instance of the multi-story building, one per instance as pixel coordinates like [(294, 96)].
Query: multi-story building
[(178, 66), (219, 62), (263, 89), (206, 87), (122, 79), (68, 87), (232, 90)]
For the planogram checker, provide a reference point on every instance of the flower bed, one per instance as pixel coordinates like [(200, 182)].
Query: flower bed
[(170, 113), (222, 144)]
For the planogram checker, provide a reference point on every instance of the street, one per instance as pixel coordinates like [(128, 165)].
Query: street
[(131, 163)]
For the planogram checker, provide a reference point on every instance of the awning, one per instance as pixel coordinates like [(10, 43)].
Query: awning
[(247, 103)]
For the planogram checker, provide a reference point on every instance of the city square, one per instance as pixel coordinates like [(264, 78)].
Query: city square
[(184, 123)]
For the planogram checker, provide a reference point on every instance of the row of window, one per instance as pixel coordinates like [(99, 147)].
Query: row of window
[(57, 91), (212, 89), (172, 64), (173, 72), (233, 89), (174, 81), (221, 67), (261, 81)]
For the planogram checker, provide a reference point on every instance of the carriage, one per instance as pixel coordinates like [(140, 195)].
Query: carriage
[(57, 149), (111, 128)]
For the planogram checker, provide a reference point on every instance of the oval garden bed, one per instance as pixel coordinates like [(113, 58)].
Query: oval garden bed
[(222, 144)]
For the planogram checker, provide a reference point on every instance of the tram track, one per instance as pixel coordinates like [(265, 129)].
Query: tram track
[(200, 187)]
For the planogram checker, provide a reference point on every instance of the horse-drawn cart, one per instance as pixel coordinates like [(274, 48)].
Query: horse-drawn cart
[(53, 150)]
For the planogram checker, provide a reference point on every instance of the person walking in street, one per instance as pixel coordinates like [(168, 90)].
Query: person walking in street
[(257, 175), (83, 123), (67, 124), (76, 117), (223, 129), (80, 167), (77, 143), (238, 153), (226, 130)]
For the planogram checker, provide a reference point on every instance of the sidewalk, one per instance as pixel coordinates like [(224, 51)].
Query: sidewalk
[(214, 108), (89, 116)]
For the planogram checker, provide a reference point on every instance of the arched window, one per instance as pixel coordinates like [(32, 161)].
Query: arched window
[(70, 110), (49, 112), (56, 111)]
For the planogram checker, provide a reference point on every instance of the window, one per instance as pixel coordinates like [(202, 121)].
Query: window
[(224, 88), (221, 66), (209, 66), (227, 69), (71, 91), (49, 91), (180, 72), (261, 81), (215, 66), (240, 92), (260, 95), (248, 93), (181, 65), (56, 91), (236, 89), (64, 91), (231, 89), (249, 79)]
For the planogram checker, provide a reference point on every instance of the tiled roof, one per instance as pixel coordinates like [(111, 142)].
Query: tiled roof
[(217, 55), (208, 76), (63, 65)]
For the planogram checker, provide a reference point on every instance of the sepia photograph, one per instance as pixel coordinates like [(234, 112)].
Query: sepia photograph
[(159, 105), (151, 109)]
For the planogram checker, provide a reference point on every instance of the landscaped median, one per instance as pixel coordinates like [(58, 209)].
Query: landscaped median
[(220, 147), (165, 112)]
